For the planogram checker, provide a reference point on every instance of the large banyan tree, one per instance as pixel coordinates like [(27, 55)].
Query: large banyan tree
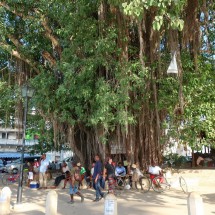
[(99, 70)]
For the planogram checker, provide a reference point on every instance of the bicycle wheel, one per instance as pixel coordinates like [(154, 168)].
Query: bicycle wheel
[(144, 184), (159, 184), (183, 184), (119, 183), (127, 185)]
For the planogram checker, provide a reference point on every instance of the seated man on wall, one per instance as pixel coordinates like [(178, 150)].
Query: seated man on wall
[(200, 161), (120, 170), (62, 176), (154, 170)]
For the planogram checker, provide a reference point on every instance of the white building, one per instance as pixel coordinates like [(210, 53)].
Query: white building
[(11, 141)]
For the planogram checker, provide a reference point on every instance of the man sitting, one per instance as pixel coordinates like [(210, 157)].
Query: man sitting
[(137, 175), (120, 173), (154, 170), (120, 170), (58, 179), (200, 161)]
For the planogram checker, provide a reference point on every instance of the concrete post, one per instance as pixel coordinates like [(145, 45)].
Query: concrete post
[(51, 203), (195, 204), (5, 196), (110, 207)]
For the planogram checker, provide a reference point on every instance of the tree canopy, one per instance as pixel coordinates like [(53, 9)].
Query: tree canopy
[(99, 73)]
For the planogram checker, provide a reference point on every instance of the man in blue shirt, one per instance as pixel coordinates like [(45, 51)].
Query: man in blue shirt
[(97, 179), (120, 170)]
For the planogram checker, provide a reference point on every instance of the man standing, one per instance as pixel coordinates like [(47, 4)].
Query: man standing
[(36, 166), (109, 170), (36, 170), (97, 179), (44, 163)]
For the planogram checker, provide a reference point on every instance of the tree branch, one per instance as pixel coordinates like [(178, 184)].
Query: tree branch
[(51, 36), (46, 55), (16, 54), (7, 7), (44, 21)]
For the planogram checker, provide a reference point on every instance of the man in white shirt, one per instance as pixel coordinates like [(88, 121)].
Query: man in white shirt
[(44, 163), (154, 170)]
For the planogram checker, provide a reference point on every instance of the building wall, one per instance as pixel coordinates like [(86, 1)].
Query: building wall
[(11, 139)]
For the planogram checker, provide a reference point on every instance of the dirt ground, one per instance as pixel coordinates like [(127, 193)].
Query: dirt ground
[(130, 202)]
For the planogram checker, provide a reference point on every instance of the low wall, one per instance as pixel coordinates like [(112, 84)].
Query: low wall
[(198, 179)]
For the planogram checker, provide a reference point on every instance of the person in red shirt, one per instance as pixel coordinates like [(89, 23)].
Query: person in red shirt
[(36, 165)]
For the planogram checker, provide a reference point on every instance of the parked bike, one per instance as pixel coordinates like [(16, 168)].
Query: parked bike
[(8, 179)]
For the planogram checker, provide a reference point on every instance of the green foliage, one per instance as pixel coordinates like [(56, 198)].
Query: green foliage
[(90, 84), (199, 116), (7, 103), (173, 159), (168, 11), (200, 108)]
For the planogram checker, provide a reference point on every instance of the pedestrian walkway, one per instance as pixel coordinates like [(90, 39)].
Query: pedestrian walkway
[(130, 202)]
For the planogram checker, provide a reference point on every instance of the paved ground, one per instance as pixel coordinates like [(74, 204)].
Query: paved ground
[(130, 202)]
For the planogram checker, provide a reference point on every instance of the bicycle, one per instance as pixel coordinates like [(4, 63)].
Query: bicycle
[(161, 183), (122, 181), (142, 184), (8, 179)]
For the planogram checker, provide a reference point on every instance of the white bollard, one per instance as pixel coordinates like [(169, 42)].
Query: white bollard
[(51, 203), (110, 207), (5, 196), (195, 204)]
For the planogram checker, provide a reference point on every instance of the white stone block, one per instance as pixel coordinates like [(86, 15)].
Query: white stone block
[(51, 203), (195, 204), (110, 206), (5, 196)]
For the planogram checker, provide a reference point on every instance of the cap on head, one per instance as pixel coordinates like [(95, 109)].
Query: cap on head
[(134, 166), (78, 164)]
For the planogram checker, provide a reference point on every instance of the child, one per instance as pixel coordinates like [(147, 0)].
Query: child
[(30, 174), (74, 181)]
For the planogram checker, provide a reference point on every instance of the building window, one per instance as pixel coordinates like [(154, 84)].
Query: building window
[(4, 135), (19, 136)]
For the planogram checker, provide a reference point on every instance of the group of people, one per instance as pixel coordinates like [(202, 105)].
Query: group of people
[(102, 172), (37, 169), (95, 177)]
